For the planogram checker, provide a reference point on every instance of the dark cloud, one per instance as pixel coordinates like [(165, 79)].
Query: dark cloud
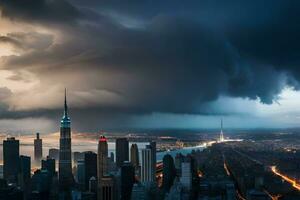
[(160, 56), (59, 11)]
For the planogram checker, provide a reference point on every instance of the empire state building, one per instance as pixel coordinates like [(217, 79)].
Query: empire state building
[(65, 162)]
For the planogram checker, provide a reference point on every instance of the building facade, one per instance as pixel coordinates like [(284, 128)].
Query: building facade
[(11, 153), (66, 178), (122, 151), (38, 148)]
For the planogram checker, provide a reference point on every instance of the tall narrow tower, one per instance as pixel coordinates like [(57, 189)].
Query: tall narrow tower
[(38, 148), (65, 162), (221, 133)]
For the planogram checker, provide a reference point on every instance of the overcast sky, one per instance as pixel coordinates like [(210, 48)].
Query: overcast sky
[(149, 64)]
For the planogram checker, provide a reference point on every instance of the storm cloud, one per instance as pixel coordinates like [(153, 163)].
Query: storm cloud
[(122, 58)]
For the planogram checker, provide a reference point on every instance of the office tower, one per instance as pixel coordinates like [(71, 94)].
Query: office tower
[(178, 160), (107, 188), (102, 156), (102, 161), (122, 151), (80, 173), (147, 165), (41, 183), (25, 171), (139, 192), (49, 165), (153, 149), (112, 156), (65, 162), (186, 175), (54, 153), (93, 184), (134, 156), (38, 148), (90, 167), (11, 159), (77, 156), (127, 180), (169, 172)]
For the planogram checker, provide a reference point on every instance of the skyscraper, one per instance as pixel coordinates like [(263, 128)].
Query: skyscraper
[(153, 150), (122, 151), (127, 180), (146, 169), (65, 162), (38, 148), (107, 189), (49, 165), (102, 162), (80, 173), (186, 174), (102, 156), (134, 156), (169, 172), (90, 166), (11, 159), (25, 171)]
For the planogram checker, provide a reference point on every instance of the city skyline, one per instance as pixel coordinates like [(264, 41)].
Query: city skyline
[(139, 65)]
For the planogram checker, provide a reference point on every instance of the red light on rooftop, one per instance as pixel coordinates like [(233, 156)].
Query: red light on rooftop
[(102, 139)]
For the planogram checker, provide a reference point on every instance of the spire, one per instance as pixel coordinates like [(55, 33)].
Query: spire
[(65, 121), (222, 124), (221, 133), (66, 106)]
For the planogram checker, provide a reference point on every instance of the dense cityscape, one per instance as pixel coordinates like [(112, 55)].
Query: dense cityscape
[(251, 168)]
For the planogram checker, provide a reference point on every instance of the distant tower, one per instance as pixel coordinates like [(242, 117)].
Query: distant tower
[(169, 172), (102, 157), (127, 180), (66, 178), (147, 165), (221, 133), (153, 152), (134, 156), (102, 162), (38, 148), (11, 155), (90, 163), (122, 151)]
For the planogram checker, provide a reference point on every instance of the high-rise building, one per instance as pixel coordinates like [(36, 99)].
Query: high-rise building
[(25, 171), (127, 180), (66, 178), (147, 166), (169, 172), (139, 192), (102, 156), (38, 148), (90, 167), (93, 185), (49, 165), (153, 150), (80, 173), (102, 161), (54, 153), (107, 189), (178, 160), (186, 175), (122, 151), (11, 159), (134, 156)]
